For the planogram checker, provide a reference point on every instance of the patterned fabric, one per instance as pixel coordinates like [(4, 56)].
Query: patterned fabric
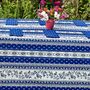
[(34, 62)]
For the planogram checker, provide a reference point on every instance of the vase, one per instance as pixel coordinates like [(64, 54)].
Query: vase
[(42, 22), (50, 24)]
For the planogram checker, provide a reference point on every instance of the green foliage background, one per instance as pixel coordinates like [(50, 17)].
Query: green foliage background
[(77, 9)]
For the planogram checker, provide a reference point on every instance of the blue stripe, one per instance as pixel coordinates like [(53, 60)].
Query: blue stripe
[(61, 23), (61, 33), (40, 88), (57, 48), (44, 83), (7, 32), (45, 60)]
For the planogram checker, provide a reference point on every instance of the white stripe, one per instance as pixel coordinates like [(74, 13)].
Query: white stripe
[(61, 75), (63, 22), (2, 21), (4, 30), (69, 32), (44, 54), (28, 21), (44, 64), (60, 27), (22, 26), (72, 27), (36, 20), (32, 30), (43, 37)]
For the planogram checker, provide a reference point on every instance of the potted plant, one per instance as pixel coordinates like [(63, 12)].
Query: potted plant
[(50, 15)]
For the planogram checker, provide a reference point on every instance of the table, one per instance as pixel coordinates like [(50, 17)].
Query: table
[(33, 58)]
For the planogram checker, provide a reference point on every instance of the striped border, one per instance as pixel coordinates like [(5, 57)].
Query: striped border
[(45, 66)]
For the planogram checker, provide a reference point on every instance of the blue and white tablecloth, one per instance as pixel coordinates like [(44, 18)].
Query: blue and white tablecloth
[(30, 60)]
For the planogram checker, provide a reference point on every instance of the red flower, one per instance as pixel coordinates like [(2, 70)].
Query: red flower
[(56, 8), (43, 2), (57, 3)]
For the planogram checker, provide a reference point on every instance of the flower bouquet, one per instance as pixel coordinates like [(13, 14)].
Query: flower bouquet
[(49, 15)]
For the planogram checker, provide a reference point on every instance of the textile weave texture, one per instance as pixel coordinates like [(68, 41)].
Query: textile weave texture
[(30, 60)]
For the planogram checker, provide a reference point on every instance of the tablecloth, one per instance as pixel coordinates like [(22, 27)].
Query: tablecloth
[(32, 60)]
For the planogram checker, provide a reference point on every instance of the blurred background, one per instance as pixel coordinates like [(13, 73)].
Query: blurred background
[(27, 9)]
